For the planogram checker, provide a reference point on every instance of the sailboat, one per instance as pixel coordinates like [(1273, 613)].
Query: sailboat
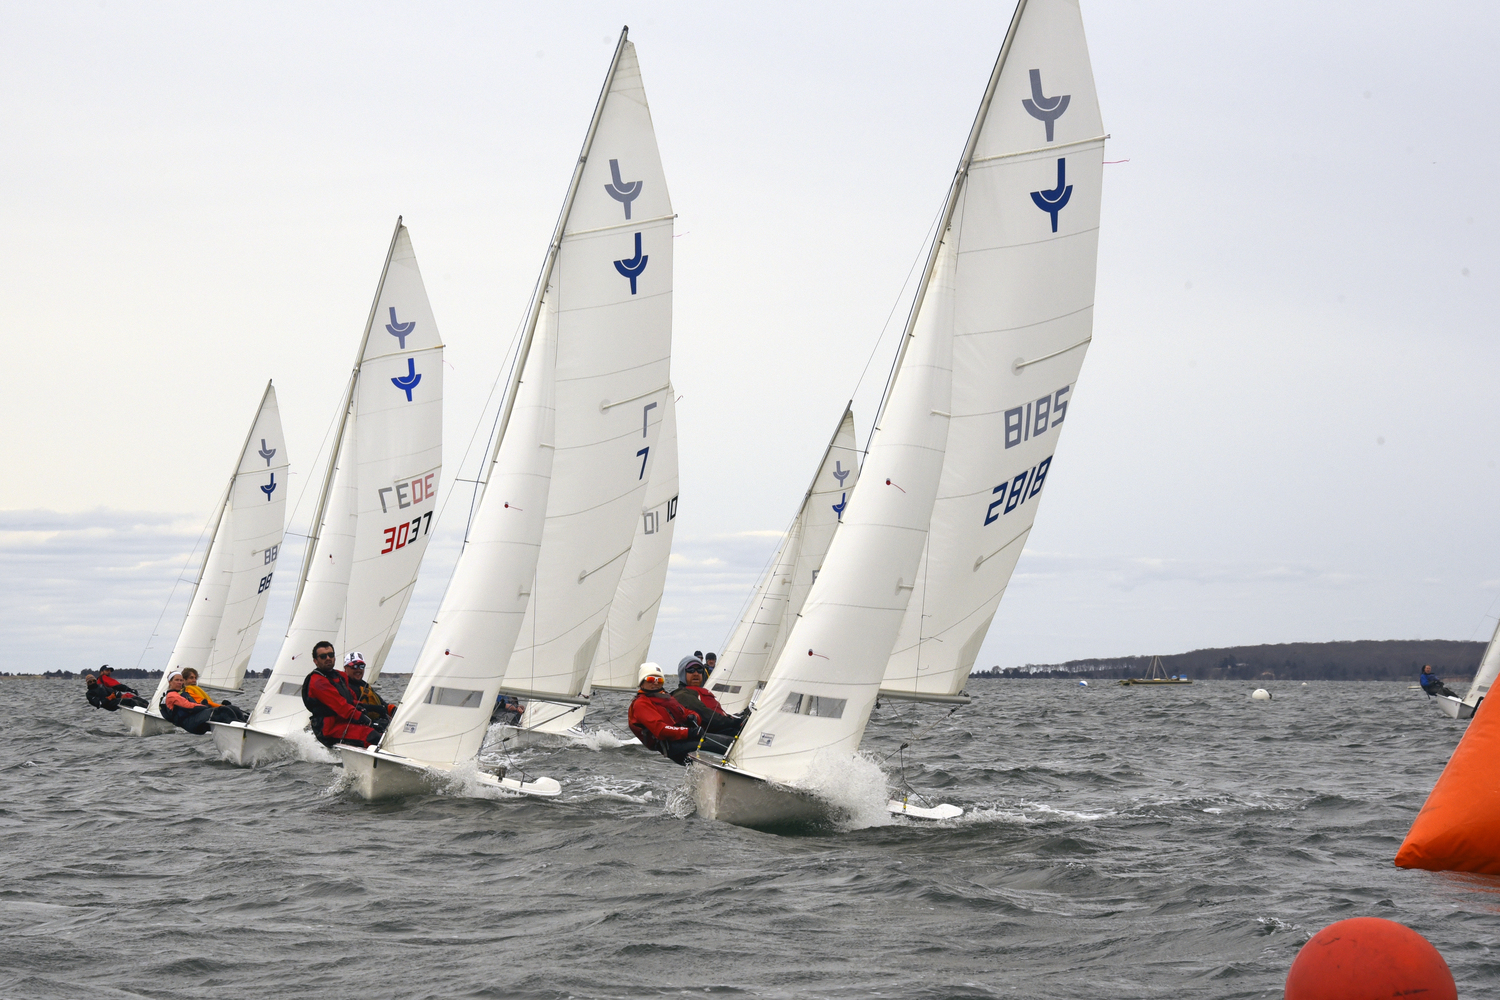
[(234, 581), (1484, 677), (526, 609), (375, 508), (632, 613), (963, 442), (756, 642), (1155, 674)]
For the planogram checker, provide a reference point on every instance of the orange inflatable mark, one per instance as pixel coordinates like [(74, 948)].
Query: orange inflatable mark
[(1458, 829)]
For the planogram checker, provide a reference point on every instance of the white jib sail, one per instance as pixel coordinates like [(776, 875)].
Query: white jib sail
[(632, 615), (229, 601), (1489, 669), (823, 686), (613, 285), (758, 639), (380, 495), (1026, 230), (445, 711)]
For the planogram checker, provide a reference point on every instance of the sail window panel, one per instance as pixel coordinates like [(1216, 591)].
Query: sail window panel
[(727, 688), (292, 689), (814, 705), (454, 697)]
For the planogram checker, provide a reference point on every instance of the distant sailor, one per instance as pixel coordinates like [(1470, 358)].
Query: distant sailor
[(662, 724), (335, 716), (225, 711), (366, 697), (108, 682), (182, 711), (110, 700), (694, 696), (1434, 685), (508, 710)]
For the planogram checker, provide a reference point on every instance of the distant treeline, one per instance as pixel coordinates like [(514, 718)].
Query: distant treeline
[(1366, 660)]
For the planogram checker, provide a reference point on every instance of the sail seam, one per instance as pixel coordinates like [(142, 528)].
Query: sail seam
[(641, 224), (1040, 149)]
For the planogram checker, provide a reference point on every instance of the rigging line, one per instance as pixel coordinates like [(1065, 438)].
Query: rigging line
[(921, 250), (155, 629), (923, 735)]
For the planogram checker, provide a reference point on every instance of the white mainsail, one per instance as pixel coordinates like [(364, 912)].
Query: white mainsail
[(757, 640), (632, 615), (1489, 669), (612, 286), (445, 713), (229, 601), (1026, 232), (379, 495), (823, 686)]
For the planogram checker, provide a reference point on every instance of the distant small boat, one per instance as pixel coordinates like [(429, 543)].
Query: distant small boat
[(1155, 674), (1489, 668)]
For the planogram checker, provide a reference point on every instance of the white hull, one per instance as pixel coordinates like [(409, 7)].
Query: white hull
[(243, 746), (142, 723), (379, 775), (733, 796), (1453, 708)]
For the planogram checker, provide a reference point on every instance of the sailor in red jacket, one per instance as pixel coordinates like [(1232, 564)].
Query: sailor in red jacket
[(336, 718), (660, 722), (695, 696)]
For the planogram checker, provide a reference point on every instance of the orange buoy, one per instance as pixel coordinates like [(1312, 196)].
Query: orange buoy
[(1367, 958), (1458, 829)]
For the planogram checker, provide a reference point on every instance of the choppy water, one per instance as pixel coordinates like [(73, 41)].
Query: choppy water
[(1119, 843)]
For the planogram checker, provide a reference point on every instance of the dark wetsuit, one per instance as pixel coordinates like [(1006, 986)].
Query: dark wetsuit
[(701, 701), (1434, 686), (369, 701)]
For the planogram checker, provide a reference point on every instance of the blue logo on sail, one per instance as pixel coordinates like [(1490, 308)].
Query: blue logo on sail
[(1044, 109), (406, 383), (1055, 200), (838, 508), (266, 453), (398, 329), (632, 268), (622, 191), (269, 488)]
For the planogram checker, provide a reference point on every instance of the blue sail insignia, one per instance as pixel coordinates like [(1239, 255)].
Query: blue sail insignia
[(398, 329), (1044, 109), (406, 383), (266, 453), (1055, 200), (839, 472), (624, 192), (269, 488), (632, 268), (838, 508)]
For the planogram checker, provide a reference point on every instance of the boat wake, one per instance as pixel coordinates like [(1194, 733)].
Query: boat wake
[(855, 788)]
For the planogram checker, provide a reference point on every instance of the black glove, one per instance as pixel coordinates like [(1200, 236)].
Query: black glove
[(365, 720), (693, 731), (743, 714)]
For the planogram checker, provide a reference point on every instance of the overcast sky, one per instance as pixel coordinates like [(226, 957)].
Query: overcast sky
[(1284, 429)]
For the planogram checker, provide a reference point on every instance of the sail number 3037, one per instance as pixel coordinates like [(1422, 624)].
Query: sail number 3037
[(406, 532)]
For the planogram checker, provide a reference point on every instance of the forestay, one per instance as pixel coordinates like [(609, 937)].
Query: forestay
[(379, 494), (613, 289), (1025, 228), (632, 615), (823, 686), (757, 640), (223, 620)]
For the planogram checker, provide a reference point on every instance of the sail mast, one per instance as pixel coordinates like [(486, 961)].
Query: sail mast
[(553, 246), (338, 440), (949, 207)]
